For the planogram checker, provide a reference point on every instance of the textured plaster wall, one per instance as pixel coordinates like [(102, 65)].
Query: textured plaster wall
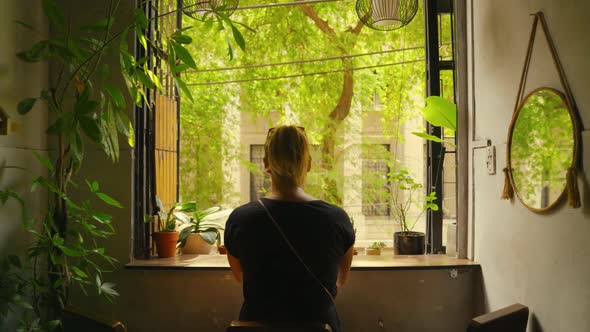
[(540, 260), (19, 80)]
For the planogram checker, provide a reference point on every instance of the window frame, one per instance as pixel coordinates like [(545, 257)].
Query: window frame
[(144, 163), (435, 151)]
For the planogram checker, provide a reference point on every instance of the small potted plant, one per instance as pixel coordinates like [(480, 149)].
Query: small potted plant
[(375, 249), (166, 236), (406, 241), (200, 231)]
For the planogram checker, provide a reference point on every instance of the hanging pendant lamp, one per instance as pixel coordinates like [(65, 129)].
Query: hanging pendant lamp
[(386, 15), (203, 9)]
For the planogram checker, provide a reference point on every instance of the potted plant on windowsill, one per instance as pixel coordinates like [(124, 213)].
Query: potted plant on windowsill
[(375, 249), (200, 231), (406, 241), (166, 236)]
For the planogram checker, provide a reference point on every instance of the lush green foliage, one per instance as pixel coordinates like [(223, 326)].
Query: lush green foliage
[(318, 95)]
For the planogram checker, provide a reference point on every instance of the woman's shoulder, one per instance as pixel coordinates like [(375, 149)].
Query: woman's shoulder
[(244, 212)]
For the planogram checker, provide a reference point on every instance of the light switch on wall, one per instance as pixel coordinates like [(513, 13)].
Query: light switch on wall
[(491, 159)]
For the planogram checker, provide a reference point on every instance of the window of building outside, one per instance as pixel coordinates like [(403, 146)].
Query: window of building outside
[(359, 107)]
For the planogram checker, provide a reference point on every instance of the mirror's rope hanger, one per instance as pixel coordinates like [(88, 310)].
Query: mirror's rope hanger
[(573, 193)]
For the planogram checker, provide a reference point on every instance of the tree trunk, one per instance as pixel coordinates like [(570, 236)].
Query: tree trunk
[(338, 114)]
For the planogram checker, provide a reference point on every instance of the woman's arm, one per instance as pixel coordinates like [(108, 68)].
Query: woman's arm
[(344, 269), (236, 267)]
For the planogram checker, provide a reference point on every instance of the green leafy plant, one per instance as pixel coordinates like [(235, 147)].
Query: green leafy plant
[(405, 198), (441, 113), (25, 284), (377, 245), (85, 109), (167, 221), (205, 223)]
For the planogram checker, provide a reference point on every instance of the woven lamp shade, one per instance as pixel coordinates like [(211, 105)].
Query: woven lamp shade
[(386, 15), (203, 9)]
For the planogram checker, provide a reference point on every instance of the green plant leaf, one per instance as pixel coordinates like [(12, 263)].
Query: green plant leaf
[(26, 25), (25, 105), (181, 39), (219, 215), (79, 272), (154, 78), (188, 207), (182, 217), (107, 288), (102, 218), (100, 26), (183, 87), (70, 252), (116, 95), (77, 146), (37, 52), (45, 161), (238, 37), (230, 49), (433, 138), (183, 54), (55, 16), (428, 136), (91, 128), (184, 233), (159, 204), (124, 125), (61, 125), (441, 112), (144, 79), (57, 240), (141, 23), (109, 200), (84, 106), (209, 236)]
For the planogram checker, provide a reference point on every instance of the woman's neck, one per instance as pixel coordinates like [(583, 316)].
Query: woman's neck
[(289, 194)]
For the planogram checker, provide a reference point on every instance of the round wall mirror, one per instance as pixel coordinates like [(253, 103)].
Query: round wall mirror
[(541, 148)]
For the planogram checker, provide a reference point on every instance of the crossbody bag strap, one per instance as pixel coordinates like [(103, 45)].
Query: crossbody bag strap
[(295, 252)]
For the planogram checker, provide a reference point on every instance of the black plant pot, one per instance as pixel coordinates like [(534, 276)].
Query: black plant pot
[(409, 243)]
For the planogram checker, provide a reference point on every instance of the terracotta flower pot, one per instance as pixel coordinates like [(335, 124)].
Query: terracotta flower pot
[(195, 244), (409, 243), (166, 243), (222, 250), (372, 251)]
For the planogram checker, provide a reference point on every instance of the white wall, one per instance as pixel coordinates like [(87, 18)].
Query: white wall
[(539, 260)]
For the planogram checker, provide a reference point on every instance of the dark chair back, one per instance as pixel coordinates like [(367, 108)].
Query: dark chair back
[(75, 320), (510, 319), (249, 326)]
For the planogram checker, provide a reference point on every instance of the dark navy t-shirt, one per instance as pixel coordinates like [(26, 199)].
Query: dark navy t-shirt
[(276, 286)]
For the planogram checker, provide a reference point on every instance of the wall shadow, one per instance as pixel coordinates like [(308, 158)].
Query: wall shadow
[(480, 299), (535, 326)]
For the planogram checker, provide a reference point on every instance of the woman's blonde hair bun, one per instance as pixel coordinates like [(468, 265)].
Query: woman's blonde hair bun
[(287, 153)]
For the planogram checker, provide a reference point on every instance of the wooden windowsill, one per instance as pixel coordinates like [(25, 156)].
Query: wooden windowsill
[(385, 261)]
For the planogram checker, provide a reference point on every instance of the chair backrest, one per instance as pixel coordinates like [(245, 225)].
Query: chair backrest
[(250, 326), (510, 319), (75, 320)]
